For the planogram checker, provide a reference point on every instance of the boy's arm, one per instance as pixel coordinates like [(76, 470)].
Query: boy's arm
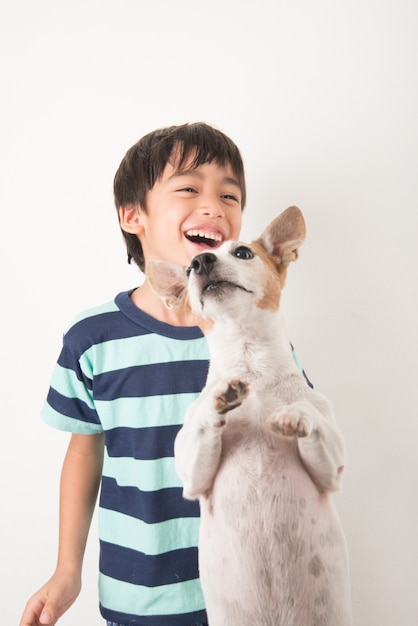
[(80, 480)]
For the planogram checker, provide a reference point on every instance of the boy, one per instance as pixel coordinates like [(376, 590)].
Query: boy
[(123, 381), (126, 374)]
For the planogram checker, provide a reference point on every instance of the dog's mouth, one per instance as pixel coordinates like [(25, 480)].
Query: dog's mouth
[(216, 285)]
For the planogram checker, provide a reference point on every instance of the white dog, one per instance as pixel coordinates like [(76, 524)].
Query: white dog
[(259, 447)]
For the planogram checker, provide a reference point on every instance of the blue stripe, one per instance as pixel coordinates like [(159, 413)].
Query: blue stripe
[(307, 379), (128, 308), (99, 328), (144, 444), (152, 380), (141, 569), (150, 506), (198, 618), (67, 361), (71, 407)]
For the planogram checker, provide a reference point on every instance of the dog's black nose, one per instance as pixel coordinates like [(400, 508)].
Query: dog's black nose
[(203, 263)]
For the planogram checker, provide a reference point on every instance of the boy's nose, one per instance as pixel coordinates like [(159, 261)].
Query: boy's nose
[(211, 206)]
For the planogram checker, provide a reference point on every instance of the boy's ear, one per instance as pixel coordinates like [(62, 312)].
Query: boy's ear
[(284, 235), (169, 282), (130, 218)]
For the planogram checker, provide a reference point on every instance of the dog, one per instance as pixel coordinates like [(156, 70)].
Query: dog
[(259, 447)]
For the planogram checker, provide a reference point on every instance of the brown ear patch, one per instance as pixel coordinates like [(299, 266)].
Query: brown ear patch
[(274, 279)]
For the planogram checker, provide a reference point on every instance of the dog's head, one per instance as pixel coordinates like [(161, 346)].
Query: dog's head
[(235, 278)]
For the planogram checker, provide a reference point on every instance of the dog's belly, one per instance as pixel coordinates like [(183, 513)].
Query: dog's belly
[(272, 551)]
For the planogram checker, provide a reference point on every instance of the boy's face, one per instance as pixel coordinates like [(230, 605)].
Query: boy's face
[(190, 211)]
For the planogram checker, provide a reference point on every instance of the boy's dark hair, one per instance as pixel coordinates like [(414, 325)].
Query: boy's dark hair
[(145, 161)]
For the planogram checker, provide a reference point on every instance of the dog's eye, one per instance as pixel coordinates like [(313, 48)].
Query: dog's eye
[(242, 252)]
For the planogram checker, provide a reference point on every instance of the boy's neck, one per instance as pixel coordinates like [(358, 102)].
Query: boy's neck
[(146, 300)]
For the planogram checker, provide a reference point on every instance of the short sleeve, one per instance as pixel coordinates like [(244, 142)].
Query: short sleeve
[(70, 403)]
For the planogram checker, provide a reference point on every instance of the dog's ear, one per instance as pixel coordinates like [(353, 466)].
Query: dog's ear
[(284, 235), (169, 281)]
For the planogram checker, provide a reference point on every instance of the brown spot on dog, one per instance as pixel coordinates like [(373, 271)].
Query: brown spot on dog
[(273, 282), (302, 503), (204, 324), (232, 397), (322, 599), (329, 538), (289, 538), (315, 567)]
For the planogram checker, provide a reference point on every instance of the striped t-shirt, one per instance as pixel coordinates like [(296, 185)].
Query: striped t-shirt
[(122, 372)]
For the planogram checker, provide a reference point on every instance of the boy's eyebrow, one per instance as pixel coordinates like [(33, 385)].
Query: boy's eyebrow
[(193, 172)]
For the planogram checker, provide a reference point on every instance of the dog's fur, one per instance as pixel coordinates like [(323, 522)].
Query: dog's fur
[(259, 447)]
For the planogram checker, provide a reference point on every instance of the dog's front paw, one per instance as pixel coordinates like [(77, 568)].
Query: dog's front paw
[(291, 421), (230, 397)]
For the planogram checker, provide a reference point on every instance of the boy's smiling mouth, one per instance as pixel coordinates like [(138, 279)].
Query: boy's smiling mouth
[(203, 236)]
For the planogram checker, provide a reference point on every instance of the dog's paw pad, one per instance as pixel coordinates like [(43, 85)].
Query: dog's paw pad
[(232, 397), (291, 422)]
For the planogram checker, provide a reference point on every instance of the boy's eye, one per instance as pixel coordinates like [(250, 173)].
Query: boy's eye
[(229, 196), (242, 252), (189, 189)]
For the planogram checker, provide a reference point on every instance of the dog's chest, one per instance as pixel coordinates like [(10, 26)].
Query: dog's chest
[(258, 466), (259, 470)]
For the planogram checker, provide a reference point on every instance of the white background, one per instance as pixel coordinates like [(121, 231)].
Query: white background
[(322, 99)]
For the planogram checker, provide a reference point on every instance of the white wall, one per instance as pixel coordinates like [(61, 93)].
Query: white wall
[(322, 99)]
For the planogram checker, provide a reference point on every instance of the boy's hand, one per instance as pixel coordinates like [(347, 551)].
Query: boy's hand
[(47, 605), (80, 478)]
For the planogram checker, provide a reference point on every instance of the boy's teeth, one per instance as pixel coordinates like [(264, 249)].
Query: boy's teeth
[(204, 234)]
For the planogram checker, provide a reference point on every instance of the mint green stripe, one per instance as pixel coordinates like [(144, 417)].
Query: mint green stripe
[(144, 412), (123, 412), (69, 424), (145, 475), (128, 532), (296, 360), (130, 352), (67, 384), (172, 599), (108, 307)]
